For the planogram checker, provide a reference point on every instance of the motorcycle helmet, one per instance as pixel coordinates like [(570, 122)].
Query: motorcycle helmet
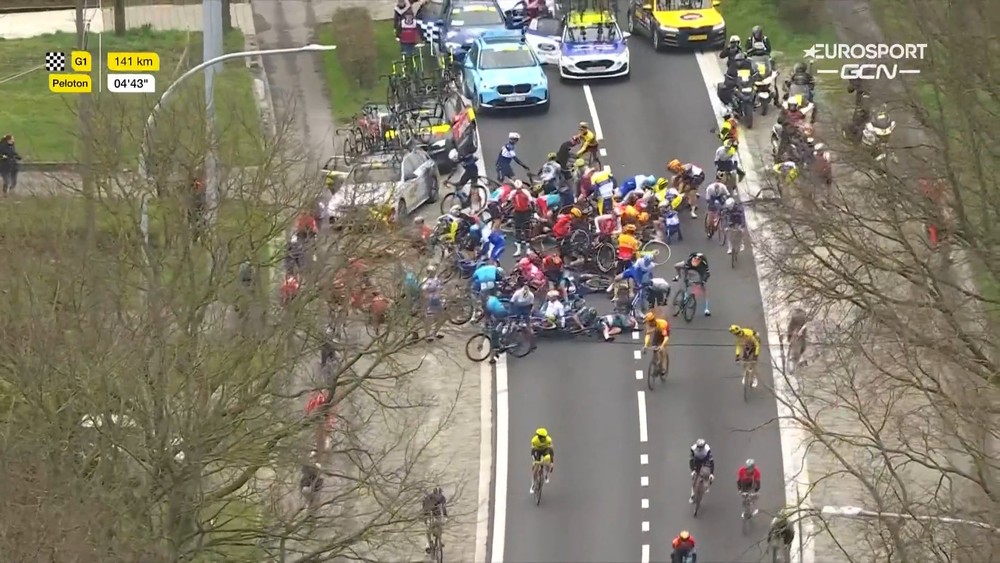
[(799, 68), (792, 104), (757, 33), (734, 40), (730, 203)]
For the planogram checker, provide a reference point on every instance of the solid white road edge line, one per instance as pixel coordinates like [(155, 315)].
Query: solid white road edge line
[(485, 459), (643, 437), (793, 436), (596, 121), (502, 453)]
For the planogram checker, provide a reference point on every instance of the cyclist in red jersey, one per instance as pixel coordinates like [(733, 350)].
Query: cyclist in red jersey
[(748, 479)]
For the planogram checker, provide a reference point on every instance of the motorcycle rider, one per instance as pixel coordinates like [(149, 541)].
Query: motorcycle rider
[(737, 62), (791, 119), (801, 77), (877, 131), (731, 49), (758, 44)]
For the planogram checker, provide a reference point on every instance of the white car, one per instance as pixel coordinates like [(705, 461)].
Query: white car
[(593, 46), (399, 183), (544, 35)]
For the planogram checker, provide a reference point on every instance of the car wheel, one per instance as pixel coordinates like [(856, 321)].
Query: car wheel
[(656, 41), (476, 106), (401, 212), (432, 194)]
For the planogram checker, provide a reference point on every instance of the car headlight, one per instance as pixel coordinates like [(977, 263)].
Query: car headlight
[(719, 26), (546, 47), (666, 29)]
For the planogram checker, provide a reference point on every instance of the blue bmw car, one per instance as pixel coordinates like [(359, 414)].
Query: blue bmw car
[(502, 71)]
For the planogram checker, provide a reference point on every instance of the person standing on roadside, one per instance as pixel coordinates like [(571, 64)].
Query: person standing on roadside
[(408, 35), (9, 163)]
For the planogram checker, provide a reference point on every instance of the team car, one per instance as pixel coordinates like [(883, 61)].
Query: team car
[(443, 125), (678, 23), (593, 46), (502, 71), (390, 184), (459, 22)]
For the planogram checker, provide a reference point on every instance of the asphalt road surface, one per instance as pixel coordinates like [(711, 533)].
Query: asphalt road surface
[(585, 392)]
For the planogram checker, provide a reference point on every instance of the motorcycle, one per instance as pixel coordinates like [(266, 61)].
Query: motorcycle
[(744, 99), (766, 92), (875, 136), (795, 145)]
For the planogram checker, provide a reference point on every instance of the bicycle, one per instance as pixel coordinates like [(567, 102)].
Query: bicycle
[(657, 249), (654, 372), (713, 222), (749, 506), (511, 336), (749, 378), (437, 545), (539, 469), (736, 240), (686, 301), (700, 488), (472, 197)]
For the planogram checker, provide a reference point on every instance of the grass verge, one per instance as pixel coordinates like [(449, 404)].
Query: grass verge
[(788, 36), (345, 97), (45, 125)]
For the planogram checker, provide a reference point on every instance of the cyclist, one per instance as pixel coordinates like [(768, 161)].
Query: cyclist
[(522, 300), (588, 144), (530, 273), (727, 160), (507, 157), (787, 172), (683, 548), (638, 274), (640, 182), (494, 243), (435, 509), (431, 291), (701, 456), (736, 221), (550, 173), (602, 188), (628, 247), (522, 205), (470, 170), (615, 324), (555, 312), (796, 333), (671, 223), (495, 312), (541, 447), (485, 278), (552, 268), (730, 127), (311, 482), (695, 261), (687, 179), (748, 480), (658, 335), (716, 195), (747, 346)]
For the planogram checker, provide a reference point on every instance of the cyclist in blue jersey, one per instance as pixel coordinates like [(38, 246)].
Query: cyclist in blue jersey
[(639, 273), (485, 278), (507, 157), (493, 245), (640, 182)]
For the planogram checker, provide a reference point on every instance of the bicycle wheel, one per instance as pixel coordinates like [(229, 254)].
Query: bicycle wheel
[(746, 384), (690, 304), (679, 299), (478, 347), (438, 551), (579, 239), (699, 493), (651, 372), (604, 258), (460, 311), (597, 283), (539, 481), (709, 226), (519, 346), (660, 251)]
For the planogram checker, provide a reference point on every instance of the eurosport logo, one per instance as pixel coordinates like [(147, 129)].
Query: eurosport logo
[(871, 53)]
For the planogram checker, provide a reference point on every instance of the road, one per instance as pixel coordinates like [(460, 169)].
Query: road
[(597, 507)]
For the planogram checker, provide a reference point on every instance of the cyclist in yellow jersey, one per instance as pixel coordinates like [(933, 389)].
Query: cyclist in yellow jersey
[(658, 334), (588, 144), (542, 452), (747, 343)]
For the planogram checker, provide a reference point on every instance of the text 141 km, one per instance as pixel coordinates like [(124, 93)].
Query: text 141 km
[(132, 83)]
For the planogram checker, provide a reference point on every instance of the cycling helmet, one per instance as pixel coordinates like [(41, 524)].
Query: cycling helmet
[(684, 535), (720, 175), (542, 433), (432, 269), (579, 163), (730, 203), (650, 317), (553, 294), (727, 114), (792, 104), (551, 156), (674, 165), (700, 443), (576, 213), (453, 155), (757, 32), (418, 220), (750, 463), (584, 126), (455, 210), (643, 217), (731, 143), (629, 228), (735, 329), (524, 262), (474, 229), (513, 136), (518, 184), (799, 67), (661, 182)]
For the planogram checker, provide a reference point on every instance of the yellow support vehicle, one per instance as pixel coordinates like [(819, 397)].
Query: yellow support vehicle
[(682, 24)]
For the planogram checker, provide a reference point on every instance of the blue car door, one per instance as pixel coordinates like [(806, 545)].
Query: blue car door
[(469, 71)]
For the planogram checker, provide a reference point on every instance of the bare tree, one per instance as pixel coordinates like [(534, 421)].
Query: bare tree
[(143, 421), (899, 390)]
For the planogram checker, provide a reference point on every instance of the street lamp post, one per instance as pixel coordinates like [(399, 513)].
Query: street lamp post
[(858, 513)]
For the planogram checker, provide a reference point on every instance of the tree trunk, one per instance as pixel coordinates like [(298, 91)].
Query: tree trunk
[(227, 16), (119, 17), (85, 113)]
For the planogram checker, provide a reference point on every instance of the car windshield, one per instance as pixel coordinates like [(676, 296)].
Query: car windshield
[(664, 5), (476, 16), (373, 175), (591, 34), (507, 58)]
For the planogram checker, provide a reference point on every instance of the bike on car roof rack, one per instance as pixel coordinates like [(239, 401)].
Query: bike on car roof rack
[(609, 7)]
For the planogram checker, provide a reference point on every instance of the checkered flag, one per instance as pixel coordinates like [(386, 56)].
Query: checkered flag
[(55, 61), (430, 30)]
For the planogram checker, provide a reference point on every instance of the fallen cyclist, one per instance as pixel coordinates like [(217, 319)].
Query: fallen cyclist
[(555, 313), (615, 324)]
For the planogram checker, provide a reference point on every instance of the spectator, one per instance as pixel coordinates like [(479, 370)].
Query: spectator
[(399, 11), (9, 163), (408, 35)]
